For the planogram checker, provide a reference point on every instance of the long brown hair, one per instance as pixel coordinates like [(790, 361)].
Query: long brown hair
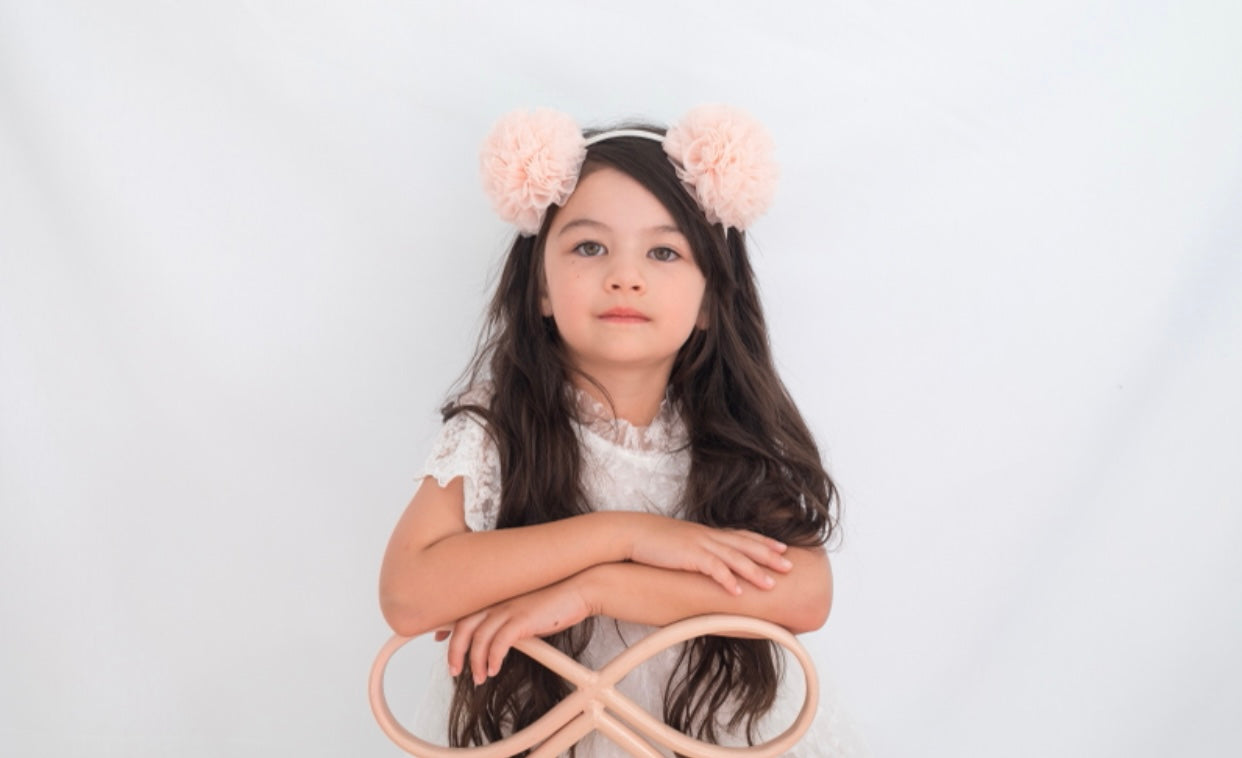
[(754, 464)]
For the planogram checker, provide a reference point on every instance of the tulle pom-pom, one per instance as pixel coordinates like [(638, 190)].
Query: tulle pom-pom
[(529, 162), (725, 159)]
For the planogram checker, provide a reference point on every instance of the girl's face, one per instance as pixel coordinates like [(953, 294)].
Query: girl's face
[(621, 281)]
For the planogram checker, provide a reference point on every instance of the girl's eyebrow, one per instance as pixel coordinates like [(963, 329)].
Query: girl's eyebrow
[(592, 223)]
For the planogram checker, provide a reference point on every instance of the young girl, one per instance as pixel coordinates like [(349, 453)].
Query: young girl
[(623, 454)]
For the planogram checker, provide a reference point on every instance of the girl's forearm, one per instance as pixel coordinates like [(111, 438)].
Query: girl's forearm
[(424, 587), (437, 571), (799, 600)]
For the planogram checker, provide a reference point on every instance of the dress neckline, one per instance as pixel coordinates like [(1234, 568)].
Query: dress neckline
[(665, 432)]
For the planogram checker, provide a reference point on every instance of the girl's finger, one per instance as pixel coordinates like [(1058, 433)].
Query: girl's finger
[(459, 643), (774, 544), (715, 568), (505, 638), (480, 646), (741, 565), (760, 552)]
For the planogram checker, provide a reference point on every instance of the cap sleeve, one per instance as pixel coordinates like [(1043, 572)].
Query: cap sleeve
[(463, 448)]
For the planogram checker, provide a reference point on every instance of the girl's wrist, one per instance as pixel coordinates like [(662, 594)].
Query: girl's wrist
[(624, 529), (589, 586)]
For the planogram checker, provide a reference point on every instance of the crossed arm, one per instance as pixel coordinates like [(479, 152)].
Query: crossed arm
[(491, 589)]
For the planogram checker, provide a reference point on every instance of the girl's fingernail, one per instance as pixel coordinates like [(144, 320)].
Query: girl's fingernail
[(786, 563), (769, 581)]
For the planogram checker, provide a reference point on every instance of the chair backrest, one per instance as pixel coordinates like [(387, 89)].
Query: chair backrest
[(595, 704)]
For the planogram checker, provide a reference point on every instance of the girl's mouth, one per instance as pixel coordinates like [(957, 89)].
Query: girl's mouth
[(623, 316)]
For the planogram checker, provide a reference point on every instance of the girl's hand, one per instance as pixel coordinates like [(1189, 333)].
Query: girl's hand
[(725, 555), (487, 635)]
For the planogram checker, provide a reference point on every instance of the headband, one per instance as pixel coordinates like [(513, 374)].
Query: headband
[(722, 156)]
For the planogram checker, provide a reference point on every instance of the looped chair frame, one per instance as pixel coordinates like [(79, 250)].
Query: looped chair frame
[(596, 705)]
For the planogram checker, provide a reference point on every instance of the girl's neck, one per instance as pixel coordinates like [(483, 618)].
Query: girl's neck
[(633, 398)]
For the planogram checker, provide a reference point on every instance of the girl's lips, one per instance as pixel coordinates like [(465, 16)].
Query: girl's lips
[(623, 315)]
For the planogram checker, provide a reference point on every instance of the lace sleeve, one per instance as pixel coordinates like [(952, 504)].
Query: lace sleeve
[(464, 449)]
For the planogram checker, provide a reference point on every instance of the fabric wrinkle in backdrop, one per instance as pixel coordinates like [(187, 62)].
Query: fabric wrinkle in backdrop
[(243, 254)]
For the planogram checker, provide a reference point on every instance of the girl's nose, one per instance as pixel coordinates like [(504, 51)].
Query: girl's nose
[(624, 275)]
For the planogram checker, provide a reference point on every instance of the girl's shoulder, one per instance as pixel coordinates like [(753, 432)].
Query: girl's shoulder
[(477, 393), (465, 431), (464, 448)]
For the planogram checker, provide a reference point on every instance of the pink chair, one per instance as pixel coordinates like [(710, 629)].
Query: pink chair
[(595, 701)]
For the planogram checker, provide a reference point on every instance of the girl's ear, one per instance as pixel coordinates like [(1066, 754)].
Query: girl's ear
[(702, 321), (545, 305)]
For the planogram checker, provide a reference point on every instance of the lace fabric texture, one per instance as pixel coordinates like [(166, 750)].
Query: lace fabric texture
[(626, 467)]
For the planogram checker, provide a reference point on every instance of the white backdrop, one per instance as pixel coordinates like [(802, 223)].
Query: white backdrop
[(243, 254)]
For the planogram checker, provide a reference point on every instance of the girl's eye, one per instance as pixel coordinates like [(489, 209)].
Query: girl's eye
[(589, 249), (664, 254)]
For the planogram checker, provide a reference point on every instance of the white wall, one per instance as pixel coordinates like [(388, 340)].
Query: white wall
[(243, 252)]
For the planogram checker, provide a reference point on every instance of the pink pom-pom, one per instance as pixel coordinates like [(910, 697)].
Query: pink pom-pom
[(725, 158), (529, 162)]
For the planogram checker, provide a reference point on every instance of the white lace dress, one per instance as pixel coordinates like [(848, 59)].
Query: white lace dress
[(625, 468)]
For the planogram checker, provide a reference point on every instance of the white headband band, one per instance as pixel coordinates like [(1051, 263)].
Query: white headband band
[(623, 133)]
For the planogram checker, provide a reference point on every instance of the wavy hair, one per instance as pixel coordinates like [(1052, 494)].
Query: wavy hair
[(754, 464)]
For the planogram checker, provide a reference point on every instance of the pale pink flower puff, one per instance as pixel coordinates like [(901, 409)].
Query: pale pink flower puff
[(725, 159), (529, 162)]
